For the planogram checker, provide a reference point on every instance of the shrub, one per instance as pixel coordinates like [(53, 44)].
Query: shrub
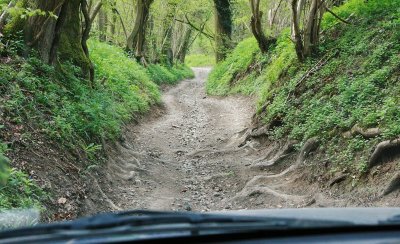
[(237, 62)]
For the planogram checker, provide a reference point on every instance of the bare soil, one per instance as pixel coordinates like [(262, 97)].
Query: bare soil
[(194, 154)]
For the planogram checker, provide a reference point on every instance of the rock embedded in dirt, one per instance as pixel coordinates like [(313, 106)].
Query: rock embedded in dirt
[(62, 200)]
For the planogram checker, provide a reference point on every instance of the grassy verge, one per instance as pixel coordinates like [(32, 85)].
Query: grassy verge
[(357, 85), (169, 75), (200, 60), (65, 109)]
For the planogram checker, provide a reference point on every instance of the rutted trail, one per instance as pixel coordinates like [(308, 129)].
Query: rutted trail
[(190, 158)]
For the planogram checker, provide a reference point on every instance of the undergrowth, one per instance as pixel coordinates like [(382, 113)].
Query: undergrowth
[(68, 110), (20, 192), (169, 75), (200, 60), (221, 78), (359, 84)]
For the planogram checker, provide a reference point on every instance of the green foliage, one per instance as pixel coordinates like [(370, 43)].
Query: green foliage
[(66, 107), (223, 74), (366, 10), (357, 85), (200, 60), (62, 104), (20, 192), (169, 75), (282, 57), (4, 167)]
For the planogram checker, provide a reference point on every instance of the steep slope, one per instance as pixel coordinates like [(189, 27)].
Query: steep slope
[(54, 123), (345, 100)]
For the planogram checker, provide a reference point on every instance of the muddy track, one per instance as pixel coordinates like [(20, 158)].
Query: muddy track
[(192, 156)]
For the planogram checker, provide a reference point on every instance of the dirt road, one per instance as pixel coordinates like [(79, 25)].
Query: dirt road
[(188, 157)]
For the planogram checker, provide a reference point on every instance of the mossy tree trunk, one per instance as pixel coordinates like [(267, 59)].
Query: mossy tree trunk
[(40, 31), (57, 38), (223, 28), (137, 39), (70, 48), (256, 27)]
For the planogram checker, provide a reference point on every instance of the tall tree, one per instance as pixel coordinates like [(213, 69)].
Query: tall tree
[(256, 27), (88, 22), (137, 39), (182, 41), (223, 28), (102, 25), (42, 32), (306, 34), (58, 33)]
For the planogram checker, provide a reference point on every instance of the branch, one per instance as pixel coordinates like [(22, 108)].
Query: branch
[(115, 11), (336, 16), (95, 11), (276, 11), (88, 22), (195, 27)]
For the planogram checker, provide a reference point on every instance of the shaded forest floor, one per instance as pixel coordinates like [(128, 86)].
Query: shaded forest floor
[(194, 154)]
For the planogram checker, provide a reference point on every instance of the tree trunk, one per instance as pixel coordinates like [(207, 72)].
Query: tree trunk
[(308, 30), (40, 31), (57, 39), (102, 20), (70, 47), (185, 46), (296, 31), (263, 42), (137, 39), (223, 28), (88, 21), (306, 40), (166, 49), (113, 24)]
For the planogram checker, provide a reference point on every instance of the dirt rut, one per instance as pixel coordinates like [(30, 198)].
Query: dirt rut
[(192, 157)]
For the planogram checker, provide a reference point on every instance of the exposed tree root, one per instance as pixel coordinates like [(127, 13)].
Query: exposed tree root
[(121, 173), (131, 156), (253, 187), (393, 185), (308, 147), (125, 172), (239, 137), (285, 151), (264, 190), (103, 195), (338, 179), (311, 145), (384, 149), (269, 153), (254, 133), (366, 133)]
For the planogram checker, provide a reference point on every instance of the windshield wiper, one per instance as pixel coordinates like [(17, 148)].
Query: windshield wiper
[(142, 225)]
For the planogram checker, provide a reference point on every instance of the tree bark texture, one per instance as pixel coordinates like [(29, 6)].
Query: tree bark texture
[(223, 28)]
